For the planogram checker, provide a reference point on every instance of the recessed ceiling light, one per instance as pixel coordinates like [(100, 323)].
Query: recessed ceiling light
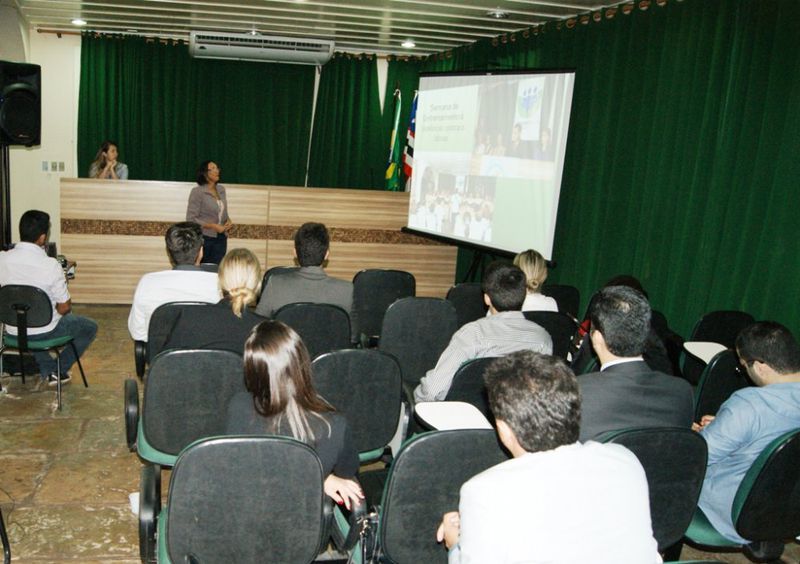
[(132, 30), (78, 21), (253, 32), (408, 44), (497, 14)]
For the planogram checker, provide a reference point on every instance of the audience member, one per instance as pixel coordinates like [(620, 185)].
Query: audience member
[(28, 264), (310, 283), (534, 266), (626, 392), (504, 331), (751, 418), (227, 324), (208, 207), (185, 282), (282, 401), (557, 500), (105, 164)]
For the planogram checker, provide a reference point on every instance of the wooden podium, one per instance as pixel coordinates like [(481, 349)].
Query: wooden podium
[(115, 230)]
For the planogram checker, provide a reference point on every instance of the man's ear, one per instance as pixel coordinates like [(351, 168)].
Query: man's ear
[(597, 339), (41, 240), (487, 300)]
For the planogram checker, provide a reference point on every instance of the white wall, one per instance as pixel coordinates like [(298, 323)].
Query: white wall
[(31, 187)]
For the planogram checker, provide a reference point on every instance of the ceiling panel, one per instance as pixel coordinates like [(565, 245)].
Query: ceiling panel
[(374, 26)]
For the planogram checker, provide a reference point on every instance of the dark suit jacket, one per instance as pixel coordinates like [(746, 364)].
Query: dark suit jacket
[(633, 395), (308, 284)]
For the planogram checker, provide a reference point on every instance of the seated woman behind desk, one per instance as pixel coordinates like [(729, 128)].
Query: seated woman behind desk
[(208, 206), (105, 164), (282, 401), (227, 324)]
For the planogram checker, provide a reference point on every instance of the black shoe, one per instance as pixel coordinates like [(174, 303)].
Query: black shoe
[(52, 380)]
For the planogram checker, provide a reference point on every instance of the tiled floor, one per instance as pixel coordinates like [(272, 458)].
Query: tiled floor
[(65, 477)]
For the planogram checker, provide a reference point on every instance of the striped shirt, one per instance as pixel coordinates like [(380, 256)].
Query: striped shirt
[(497, 335)]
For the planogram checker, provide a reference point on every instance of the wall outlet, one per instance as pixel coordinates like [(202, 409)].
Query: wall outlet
[(53, 166), (60, 166), (45, 167)]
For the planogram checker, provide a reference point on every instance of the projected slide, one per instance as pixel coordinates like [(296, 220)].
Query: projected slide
[(488, 157)]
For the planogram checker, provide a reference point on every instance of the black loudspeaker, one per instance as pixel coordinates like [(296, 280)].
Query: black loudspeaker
[(20, 104)]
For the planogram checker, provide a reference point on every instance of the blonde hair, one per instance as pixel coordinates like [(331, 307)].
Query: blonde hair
[(534, 266), (240, 279)]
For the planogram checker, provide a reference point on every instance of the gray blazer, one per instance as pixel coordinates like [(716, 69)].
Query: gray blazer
[(633, 395), (202, 207), (308, 284)]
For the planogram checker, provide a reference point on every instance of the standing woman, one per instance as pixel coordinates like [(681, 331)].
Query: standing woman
[(208, 207), (105, 163)]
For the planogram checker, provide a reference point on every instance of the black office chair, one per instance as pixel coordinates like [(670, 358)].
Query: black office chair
[(562, 329), (567, 297), (26, 307), (374, 290), (273, 271), (765, 509), (468, 385), (674, 461), (719, 327), (159, 328), (323, 327), (186, 396), (365, 385), (422, 484), (467, 298), (245, 500), (416, 331), (721, 377)]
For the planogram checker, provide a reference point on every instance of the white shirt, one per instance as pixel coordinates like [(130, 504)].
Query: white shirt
[(29, 265), (578, 503), (158, 288)]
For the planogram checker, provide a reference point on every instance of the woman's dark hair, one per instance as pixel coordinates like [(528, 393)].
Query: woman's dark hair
[(277, 371), (202, 173)]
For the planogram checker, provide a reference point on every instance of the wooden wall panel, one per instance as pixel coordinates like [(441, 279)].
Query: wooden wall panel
[(114, 230)]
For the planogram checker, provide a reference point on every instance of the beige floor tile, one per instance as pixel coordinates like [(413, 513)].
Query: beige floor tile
[(94, 478), (48, 435), (20, 475)]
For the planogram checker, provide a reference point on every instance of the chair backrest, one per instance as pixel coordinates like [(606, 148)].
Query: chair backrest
[(468, 386), (162, 321), (561, 327), (230, 501), (567, 297), (323, 327), (719, 327), (186, 397), (424, 483), (467, 298), (374, 290), (674, 461), (275, 270), (720, 378), (364, 385), (765, 506), (416, 331), (23, 307), (209, 267)]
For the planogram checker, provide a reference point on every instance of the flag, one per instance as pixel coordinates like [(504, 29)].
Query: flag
[(393, 164), (408, 154)]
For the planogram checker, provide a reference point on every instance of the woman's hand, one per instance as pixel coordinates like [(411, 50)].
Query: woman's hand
[(228, 225), (218, 227), (343, 491)]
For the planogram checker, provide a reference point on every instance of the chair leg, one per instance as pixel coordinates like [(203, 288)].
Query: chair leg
[(6, 544), (22, 367), (80, 366), (58, 380)]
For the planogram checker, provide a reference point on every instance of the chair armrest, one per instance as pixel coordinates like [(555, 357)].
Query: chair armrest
[(149, 508), (131, 412), (346, 526), (140, 357)]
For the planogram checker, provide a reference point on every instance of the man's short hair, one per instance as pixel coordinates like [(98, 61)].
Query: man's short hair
[(32, 225), (311, 243), (506, 286), (537, 396), (184, 241), (771, 343), (622, 315)]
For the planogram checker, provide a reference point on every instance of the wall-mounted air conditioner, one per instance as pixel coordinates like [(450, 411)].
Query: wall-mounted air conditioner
[(265, 48)]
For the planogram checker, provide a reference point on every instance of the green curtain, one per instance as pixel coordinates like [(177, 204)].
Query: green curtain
[(681, 164), (169, 112), (348, 146)]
